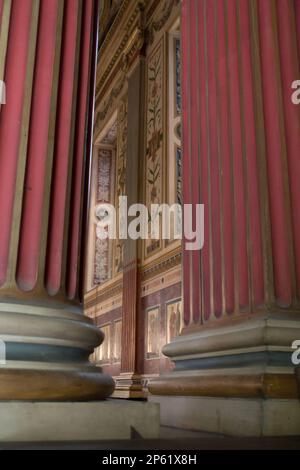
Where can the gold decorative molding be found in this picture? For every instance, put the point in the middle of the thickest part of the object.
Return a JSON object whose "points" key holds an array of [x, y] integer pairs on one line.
{"points": [[135, 28], [165, 262], [163, 280], [157, 24], [126, 55], [109, 305], [114, 25], [115, 92], [98, 296], [135, 20], [108, 12], [134, 37], [133, 47]]}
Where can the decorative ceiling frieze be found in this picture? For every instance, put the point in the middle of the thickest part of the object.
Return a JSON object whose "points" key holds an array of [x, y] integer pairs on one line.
{"points": [[136, 21]]}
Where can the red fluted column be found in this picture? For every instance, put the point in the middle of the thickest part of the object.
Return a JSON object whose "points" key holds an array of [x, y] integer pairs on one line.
{"points": [[65, 121], [35, 179], [75, 215], [241, 145], [241, 141], [11, 117], [46, 50]]}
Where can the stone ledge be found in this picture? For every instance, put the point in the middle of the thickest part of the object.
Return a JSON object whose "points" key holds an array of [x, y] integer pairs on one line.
{"points": [[231, 416], [87, 421]]}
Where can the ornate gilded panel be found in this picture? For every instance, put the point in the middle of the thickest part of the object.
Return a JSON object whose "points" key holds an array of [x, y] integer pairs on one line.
{"points": [[117, 341], [152, 333], [174, 319], [155, 134], [101, 262], [120, 187], [104, 170]]}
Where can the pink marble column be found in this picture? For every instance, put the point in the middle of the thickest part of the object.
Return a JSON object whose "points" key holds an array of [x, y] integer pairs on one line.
{"points": [[241, 141], [241, 145], [48, 54]]}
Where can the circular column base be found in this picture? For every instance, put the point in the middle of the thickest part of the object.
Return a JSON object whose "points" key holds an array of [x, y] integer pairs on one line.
{"points": [[39, 385], [44, 355]]}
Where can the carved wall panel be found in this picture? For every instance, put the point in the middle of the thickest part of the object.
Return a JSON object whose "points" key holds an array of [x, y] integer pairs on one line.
{"points": [[120, 186], [154, 134], [104, 170]]}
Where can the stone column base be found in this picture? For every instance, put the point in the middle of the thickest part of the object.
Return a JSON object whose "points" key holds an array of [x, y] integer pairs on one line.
{"points": [[132, 386], [107, 420], [237, 378], [231, 416], [129, 386], [46, 353]]}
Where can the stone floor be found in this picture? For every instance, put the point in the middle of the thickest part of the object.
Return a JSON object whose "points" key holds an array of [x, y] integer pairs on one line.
{"points": [[172, 439]]}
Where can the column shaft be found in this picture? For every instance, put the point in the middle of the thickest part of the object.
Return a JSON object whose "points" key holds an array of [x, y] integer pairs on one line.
{"points": [[46, 48], [131, 295], [241, 143], [241, 138]]}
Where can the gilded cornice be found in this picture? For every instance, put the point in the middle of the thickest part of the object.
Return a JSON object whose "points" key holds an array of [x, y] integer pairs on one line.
{"points": [[132, 48], [117, 56], [114, 93], [162, 264], [115, 24], [99, 295], [158, 23], [134, 20]]}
